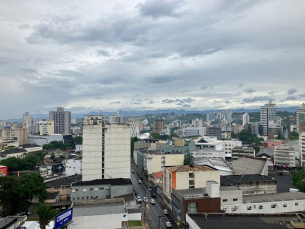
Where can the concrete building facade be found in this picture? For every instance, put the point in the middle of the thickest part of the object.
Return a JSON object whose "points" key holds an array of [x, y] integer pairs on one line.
{"points": [[46, 128], [134, 127], [116, 118], [73, 166], [285, 156], [106, 149], [300, 118], [267, 114], [159, 125], [62, 121]]}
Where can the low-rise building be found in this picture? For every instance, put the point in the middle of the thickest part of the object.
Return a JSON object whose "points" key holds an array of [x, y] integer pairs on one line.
{"points": [[32, 148], [251, 184], [287, 156], [155, 160], [101, 189], [265, 153], [12, 222], [208, 153], [238, 152], [180, 146], [193, 131], [185, 176], [157, 178], [17, 152], [73, 166]]}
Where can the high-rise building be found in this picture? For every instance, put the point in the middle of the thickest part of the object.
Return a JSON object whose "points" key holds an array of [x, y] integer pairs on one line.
{"points": [[300, 119], [245, 119], [106, 149], [116, 118], [159, 125], [134, 127], [268, 114], [302, 147], [62, 121], [197, 122]]}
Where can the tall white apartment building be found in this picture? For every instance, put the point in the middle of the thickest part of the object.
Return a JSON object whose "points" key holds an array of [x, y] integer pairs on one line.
{"points": [[116, 118], [268, 114], [302, 147], [245, 119], [134, 127], [300, 118], [197, 122], [106, 149]]}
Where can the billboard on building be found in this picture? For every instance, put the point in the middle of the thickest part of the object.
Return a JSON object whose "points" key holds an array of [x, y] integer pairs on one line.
{"points": [[3, 170], [63, 218]]}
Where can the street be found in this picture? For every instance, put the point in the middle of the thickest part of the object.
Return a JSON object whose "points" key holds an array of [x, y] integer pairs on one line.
{"points": [[152, 211]]}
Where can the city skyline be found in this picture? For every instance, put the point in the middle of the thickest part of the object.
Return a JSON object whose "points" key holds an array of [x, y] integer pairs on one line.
{"points": [[149, 55]]}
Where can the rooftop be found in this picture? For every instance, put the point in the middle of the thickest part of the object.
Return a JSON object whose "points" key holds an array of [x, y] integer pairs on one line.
{"points": [[113, 182], [10, 220], [237, 179], [98, 209], [30, 146], [267, 151], [17, 150], [66, 181], [187, 168], [52, 195], [285, 196], [245, 165], [216, 163], [192, 192], [237, 222], [158, 174], [35, 225]]}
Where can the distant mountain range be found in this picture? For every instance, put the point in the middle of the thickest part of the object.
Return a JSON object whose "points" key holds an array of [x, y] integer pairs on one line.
{"points": [[139, 113]]}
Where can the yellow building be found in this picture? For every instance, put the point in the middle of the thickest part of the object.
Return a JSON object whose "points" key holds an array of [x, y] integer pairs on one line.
{"points": [[179, 142], [46, 128]]}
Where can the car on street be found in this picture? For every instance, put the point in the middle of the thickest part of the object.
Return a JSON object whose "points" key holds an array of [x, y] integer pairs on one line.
{"points": [[153, 194], [139, 199], [149, 189], [48, 177], [145, 199], [140, 182], [55, 175], [165, 212], [132, 171], [152, 201], [168, 224]]}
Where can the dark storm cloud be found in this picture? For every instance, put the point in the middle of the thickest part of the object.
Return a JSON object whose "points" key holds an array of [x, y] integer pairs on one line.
{"points": [[291, 91], [159, 8], [291, 97], [256, 99], [249, 90]]}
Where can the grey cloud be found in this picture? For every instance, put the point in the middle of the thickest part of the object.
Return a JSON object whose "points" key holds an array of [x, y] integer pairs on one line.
{"points": [[115, 102], [136, 103], [24, 26], [186, 105], [3, 60], [159, 8], [227, 102], [180, 101], [103, 52], [249, 90], [240, 85], [168, 101], [161, 79], [291, 97], [302, 95], [291, 91], [256, 99], [272, 92], [29, 70]]}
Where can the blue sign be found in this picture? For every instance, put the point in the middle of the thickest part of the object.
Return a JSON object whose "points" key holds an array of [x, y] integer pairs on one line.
{"points": [[63, 218]]}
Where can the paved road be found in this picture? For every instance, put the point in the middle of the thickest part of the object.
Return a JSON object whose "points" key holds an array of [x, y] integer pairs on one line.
{"points": [[152, 211]]}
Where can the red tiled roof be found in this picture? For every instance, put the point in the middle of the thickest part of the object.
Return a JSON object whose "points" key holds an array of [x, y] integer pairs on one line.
{"points": [[158, 174]]}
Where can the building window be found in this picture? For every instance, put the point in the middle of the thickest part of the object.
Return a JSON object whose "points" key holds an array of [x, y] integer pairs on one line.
{"points": [[191, 182], [91, 189], [273, 206], [284, 205], [96, 197], [191, 175], [82, 198], [235, 199], [101, 188], [91, 197], [77, 198], [76, 190], [249, 208], [224, 200], [296, 204], [87, 197], [260, 207], [192, 207]]}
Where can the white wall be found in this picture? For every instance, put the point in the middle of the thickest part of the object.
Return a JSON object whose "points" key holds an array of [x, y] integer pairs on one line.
{"points": [[134, 216], [267, 209], [109, 221], [73, 167], [192, 224]]}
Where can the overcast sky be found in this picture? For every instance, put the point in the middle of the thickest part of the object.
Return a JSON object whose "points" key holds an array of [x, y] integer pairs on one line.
{"points": [[151, 54]]}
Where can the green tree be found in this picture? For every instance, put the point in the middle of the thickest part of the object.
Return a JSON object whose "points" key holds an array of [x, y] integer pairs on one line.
{"points": [[53, 156], [294, 136], [58, 145], [188, 160], [31, 161], [48, 147], [298, 180], [155, 135], [245, 136], [146, 174], [173, 134], [78, 140], [69, 146], [45, 214]]}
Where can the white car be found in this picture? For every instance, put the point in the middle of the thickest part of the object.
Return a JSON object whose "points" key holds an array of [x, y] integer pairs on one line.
{"points": [[152, 201], [145, 199], [168, 224], [48, 177], [55, 175], [165, 212], [140, 182]]}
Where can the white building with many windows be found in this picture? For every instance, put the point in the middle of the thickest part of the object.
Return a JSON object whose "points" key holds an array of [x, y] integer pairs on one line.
{"points": [[73, 167]]}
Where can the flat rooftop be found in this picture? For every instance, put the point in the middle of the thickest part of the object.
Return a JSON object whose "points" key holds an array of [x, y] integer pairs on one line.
{"points": [[285, 196], [98, 209], [187, 168], [115, 181], [238, 222], [66, 181], [192, 192], [236, 179]]}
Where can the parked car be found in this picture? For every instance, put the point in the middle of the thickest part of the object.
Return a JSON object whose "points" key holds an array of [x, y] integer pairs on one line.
{"points": [[168, 224], [48, 177], [132, 171], [55, 175], [153, 194], [165, 212], [139, 200], [145, 199], [152, 201], [140, 182], [149, 189]]}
